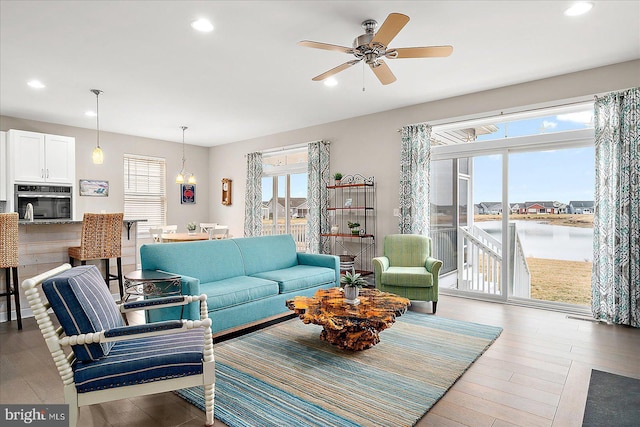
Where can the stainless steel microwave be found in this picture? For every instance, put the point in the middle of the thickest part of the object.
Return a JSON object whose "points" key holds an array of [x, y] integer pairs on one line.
{"points": [[47, 202]]}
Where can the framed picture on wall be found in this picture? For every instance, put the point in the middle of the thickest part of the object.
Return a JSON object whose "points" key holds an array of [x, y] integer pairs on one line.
{"points": [[187, 194], [92, 187]]}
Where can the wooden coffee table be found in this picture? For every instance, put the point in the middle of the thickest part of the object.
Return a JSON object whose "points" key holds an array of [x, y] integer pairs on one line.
{"points": [[350, 327]]}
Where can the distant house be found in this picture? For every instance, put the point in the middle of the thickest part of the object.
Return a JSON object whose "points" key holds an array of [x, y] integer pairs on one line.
{"points": [[581, 207], [298, 207], [544, 207], [488, 208], [517, 208]]}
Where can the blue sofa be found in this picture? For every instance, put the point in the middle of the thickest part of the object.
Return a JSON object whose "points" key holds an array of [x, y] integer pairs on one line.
{"points": [[246, 280]]}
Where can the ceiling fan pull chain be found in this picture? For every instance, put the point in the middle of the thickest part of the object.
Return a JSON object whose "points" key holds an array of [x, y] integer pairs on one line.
{"points": [[362, 75]]}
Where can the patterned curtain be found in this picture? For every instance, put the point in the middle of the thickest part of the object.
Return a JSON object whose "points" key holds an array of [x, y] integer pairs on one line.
{"points": [[318, 198], [253, 196], [415, 166], [616, 223]]}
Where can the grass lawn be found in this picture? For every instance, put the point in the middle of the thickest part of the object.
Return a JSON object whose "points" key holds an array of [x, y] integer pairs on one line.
{"points": [[562, 281]]}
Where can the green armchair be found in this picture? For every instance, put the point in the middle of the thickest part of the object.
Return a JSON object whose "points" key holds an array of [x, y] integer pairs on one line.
{"points": [[408, 269]]}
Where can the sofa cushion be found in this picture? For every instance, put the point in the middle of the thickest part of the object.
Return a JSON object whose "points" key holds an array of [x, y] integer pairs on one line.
{"points": [[417, 277], [143, 360], [83, 304], [299, 277], [237, 290], [208, 260], [267, 253]]}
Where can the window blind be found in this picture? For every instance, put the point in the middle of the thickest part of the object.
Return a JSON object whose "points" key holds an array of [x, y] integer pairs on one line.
{"points": [[145, 195]]}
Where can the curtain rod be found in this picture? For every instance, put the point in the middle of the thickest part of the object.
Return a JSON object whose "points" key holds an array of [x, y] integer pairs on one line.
{"points": [[503, 114], [287, 147]]}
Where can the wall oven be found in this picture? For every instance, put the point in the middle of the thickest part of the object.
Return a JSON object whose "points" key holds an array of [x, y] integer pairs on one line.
{"points": [[47, 202]]}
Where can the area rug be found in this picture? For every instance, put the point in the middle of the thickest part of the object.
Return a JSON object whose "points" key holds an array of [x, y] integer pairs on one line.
{"points": [[612, 400], [286, 376]]}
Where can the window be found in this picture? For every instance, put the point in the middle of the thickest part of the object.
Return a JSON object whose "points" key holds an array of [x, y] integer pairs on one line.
{"points": [[284, 194], [145, 195]]}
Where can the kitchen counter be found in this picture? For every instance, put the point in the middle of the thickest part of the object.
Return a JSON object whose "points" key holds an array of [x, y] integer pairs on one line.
{"points": [[127, 223], [44, 244]]}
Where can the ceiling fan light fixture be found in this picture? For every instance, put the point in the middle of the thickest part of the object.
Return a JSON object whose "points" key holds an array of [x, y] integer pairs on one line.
{"points": [[330, 82], [579, 8]]}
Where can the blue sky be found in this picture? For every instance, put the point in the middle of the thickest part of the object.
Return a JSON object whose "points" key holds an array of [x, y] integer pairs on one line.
{"points": [[558, 175], [562, 175]]}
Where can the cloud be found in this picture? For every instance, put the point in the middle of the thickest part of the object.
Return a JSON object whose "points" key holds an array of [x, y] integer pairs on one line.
{"points": [[548, 125], [582, 117]]}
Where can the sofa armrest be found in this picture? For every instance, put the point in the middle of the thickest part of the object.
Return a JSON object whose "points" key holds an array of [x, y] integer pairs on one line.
{"points": [[321, 260], [380, 264]]}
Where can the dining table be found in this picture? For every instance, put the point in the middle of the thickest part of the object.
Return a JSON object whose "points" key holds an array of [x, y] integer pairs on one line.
{"points": [[184, 237]]}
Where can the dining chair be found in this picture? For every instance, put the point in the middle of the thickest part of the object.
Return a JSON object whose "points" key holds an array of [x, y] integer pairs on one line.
{"points": [[167, 229], [206, 226], [101, 239], [9, 261], [220, 232], [156, 234], [109, 360]]}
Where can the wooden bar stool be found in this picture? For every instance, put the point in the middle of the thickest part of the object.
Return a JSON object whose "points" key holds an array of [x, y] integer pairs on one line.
{"points": [[9, 261], [101, 239]]}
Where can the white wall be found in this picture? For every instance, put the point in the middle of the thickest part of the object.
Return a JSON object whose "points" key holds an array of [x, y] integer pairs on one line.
{"points": [[114, 147], [370, 145]]}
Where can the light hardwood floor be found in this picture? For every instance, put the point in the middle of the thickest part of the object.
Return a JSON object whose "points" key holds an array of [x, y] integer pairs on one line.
{"points": [[535, 374]]}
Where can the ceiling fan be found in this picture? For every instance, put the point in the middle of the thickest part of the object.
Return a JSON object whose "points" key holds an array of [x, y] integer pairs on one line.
{"points": [[372, 46]]}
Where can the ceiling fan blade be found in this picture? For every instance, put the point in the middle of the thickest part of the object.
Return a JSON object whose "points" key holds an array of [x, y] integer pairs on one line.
{"points": [[335, 70], [422, 52], [325, 46], [383, 72], [390, 28]]}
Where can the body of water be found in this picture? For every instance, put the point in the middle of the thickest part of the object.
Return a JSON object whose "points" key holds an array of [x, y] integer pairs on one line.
{"points": [[548, 241]]}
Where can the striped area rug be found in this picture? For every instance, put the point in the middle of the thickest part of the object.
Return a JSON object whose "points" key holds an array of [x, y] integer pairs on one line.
{"points": [[286, 376]]}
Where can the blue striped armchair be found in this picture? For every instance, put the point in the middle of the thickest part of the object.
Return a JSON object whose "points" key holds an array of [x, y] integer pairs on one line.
{"points": [[110, 360]]}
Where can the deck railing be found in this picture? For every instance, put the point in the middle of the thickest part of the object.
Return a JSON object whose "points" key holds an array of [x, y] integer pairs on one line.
{"points": [[298, 231], [482, 263]]}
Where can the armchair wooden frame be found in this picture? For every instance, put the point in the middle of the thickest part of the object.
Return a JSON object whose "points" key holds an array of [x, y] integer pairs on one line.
{"points": [[56, 340]]}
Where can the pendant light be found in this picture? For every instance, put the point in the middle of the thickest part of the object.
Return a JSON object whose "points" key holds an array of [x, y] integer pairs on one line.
{"points": [[181, 175], [97, 156]]}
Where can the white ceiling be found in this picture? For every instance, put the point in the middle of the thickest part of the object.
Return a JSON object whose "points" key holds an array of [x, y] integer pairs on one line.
{"points": [[248, 77]]}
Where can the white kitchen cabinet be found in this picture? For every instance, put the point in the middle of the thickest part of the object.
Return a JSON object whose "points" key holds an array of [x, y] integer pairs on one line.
{"points": [[37, 157]]}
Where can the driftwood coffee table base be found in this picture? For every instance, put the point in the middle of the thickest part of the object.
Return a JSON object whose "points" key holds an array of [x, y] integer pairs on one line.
{"points": [[347, 326]]}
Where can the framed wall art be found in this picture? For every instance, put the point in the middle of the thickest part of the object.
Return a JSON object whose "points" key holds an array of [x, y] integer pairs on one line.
{"points": [[93, 187], [187, 194]]}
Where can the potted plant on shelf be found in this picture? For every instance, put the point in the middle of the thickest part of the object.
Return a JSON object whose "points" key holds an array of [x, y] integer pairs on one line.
{"points": [[352, 284], [354, 227], [337, 177], [191, 227]]}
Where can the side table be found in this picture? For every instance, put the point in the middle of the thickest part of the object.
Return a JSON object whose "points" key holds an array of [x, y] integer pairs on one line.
{"points": [[151, 283]]}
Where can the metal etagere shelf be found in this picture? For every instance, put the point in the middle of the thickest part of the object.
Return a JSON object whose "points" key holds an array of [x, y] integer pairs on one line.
{"points": [[352, 201]]}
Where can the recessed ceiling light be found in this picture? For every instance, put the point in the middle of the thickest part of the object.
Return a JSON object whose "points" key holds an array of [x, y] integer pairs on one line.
{"points": [[203, 25], [579, 8], [36, 84], [330, 82], [90, 114]]}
